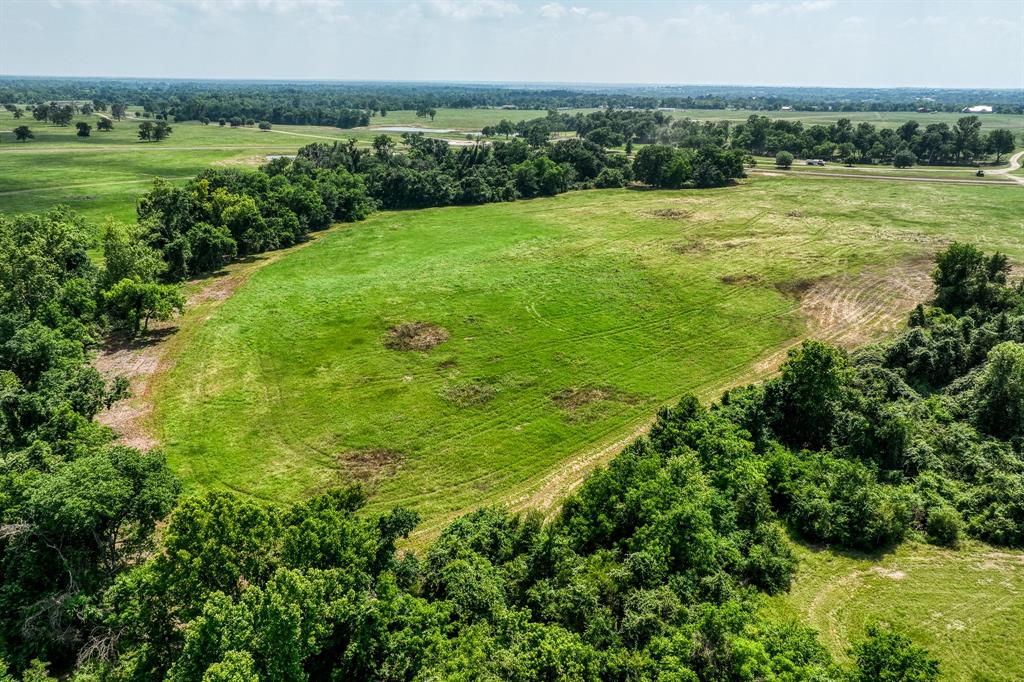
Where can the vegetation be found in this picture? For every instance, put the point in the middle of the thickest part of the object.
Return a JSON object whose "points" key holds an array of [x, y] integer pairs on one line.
{"points": [[716, 270], [935, 143], [327, 102], [656, 566]]}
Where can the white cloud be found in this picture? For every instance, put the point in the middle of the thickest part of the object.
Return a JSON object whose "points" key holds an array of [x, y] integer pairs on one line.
{"points": [[553, 10], [783, 8], [474, 9]]}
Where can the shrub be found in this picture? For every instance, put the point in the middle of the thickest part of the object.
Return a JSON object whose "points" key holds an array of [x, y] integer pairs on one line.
{"points": [[783, 159]]}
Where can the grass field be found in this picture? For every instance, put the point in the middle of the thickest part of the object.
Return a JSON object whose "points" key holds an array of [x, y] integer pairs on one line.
{"points": [[102, 175], [570, 320], [965, 606]]}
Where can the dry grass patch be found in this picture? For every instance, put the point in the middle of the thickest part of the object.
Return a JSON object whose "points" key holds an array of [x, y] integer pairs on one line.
{"points": [[469, 394], [671, 213], [370, 464], [415, 336]]}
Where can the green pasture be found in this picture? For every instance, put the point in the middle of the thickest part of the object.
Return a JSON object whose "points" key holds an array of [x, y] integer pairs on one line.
{"points": [[966, 606], [616, 300]]}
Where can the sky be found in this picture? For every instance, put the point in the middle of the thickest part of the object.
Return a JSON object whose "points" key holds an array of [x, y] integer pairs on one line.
{"points": [[843, 43]]}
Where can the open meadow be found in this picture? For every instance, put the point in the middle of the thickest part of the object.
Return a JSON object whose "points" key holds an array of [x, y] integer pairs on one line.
{"points": [[965, 605], [550, 328]]}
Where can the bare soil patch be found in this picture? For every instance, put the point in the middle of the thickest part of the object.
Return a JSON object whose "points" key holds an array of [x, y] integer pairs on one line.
{"points": [[141, 360], [415, 336], [572, 399], [370, 464], [746, 278], [851, 311], [796, 287]]}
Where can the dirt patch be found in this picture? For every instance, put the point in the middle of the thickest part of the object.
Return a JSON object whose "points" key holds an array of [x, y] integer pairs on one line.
{"points": [[468, 394], [136, 359], [450, 363], [851, 311], [370, 464], [415, 336], [247, 161], [889, 573], [671, 213], [795, 214], [573, 399], [740, 279], [796, 288], [690, 247], [142, 359]]}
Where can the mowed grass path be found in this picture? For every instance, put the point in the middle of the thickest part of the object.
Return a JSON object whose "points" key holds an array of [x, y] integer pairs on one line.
{"points": [[965, 606], [631, 296]]}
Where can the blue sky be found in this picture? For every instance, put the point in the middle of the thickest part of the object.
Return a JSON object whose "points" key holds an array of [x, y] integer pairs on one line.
{"points": [[761, 42]]}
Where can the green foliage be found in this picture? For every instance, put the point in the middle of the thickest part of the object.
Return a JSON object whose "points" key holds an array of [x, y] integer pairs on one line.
{"points": [[965, 277], [126, 255], [998, 397], [783, 159], [132, 303], [808, 396], [887, 656]]}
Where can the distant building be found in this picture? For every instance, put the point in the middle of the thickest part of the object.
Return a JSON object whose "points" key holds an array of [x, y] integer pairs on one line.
{"points": [[787, 108], [979, 109]]}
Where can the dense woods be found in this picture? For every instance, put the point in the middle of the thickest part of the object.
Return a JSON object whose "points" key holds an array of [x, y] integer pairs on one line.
{"points": [[935, 143], [654, 569], [348, 104]]}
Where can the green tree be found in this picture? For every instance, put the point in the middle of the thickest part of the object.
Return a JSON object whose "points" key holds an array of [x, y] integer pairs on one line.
{"points": [[383, 145], [904, 158], [83, 129], [265, 125], [104, 125], [807, 397], [146, 131], [783, 159], [887, 656], [161, 131], [22, 133], [1000, 141], [128, 255], [133, 304], [999, 393]]}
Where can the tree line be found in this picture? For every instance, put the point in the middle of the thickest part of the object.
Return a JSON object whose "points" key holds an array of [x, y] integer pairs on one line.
{"points": [[225, 213], [655, 569], [911, 143], [348, 103]]}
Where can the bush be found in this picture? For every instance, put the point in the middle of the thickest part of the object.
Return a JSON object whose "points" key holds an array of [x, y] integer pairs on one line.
{"points": [[944, 526], [610, 178], [904, 159], [888, 656], [783, 159], [264, 125]]}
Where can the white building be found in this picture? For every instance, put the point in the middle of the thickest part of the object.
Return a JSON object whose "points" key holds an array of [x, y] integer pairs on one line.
{"points": [[979, 109]]}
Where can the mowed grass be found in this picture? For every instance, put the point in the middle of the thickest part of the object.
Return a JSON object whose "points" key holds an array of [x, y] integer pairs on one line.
{"points": [[570, 321], [965, 606]]}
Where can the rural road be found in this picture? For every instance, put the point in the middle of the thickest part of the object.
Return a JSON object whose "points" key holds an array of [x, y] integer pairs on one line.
{"points": [[1014, 165], [899, 178]]}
